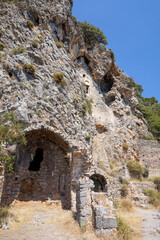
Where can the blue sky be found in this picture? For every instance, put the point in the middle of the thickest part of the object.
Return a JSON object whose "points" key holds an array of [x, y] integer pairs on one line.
{"points": [[132, 28]]}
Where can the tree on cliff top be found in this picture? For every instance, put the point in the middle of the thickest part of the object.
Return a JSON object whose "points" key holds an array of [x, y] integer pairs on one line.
{"points": [[92, 34], [11, 132]]}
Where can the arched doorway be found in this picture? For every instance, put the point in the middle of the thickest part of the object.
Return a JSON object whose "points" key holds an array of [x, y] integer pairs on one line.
{"points": [[43, 171], [99, 183]]}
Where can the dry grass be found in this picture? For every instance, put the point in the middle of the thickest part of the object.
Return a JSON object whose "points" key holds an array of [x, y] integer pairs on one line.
{"points": [[25, 212], [133, 220]]}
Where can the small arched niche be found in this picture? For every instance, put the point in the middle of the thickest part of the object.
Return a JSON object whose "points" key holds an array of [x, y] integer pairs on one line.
{"points": [[99, 183]]}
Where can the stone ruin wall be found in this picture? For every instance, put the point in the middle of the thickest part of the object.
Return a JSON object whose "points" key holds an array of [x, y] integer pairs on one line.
{"points": [[149, 155], [51, 180]]}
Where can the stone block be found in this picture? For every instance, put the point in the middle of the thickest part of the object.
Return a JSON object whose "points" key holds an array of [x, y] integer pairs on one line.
{"points": [[109, 222], [85, 212], [98, 222], [101, 211]]}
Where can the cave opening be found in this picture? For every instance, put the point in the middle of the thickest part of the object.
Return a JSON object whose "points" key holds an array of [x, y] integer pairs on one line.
{"points": [[106, 83], [36, 163]]}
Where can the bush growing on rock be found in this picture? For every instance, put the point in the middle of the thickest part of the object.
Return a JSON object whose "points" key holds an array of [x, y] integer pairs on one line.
{"points": [[157, 183], [135, 168], [59, 78], [59, 44], [19, 50], [2, 46], [29, 68], [34, 44], [92, 35], [123, 180], [154, 196], [30, 24], [124, 190], [145, 172]]}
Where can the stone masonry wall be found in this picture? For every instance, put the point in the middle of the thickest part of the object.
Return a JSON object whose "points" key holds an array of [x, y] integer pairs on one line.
{"points": [[149, 153], [51, 181]]}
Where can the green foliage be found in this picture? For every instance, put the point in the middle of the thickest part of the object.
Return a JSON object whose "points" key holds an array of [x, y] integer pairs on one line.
{"points": [[154, 196], [148, 137], [123, 180], [87, 106], [124, 231], [3, 214], [30, 24], [92, 35], [29, 68], [150, 108], [34, 44], [59, 78], [2, 46], [145, 173], [11, 131], [0, 58], [88, 137], [124, 190], [157, 183], [135, 168], [19, 50], [59, 44]]}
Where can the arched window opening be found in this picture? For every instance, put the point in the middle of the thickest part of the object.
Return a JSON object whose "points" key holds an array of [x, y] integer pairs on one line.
{"points": [[99, 183], [36, 163]]}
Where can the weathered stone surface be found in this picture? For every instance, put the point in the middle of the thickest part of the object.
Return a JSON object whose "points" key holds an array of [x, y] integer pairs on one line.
{"points": [[98, 222], [101, 211], [109, 222]]}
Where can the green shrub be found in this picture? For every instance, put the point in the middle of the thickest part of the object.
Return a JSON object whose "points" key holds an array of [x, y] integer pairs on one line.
{"points": [[0, 58], [59, 44], [29, 68], [88, 137], [126, 205], [75, 100], [3, 214], [87, 106], [131, 84], [123, 180], [145, 173], [135, 169], [2, 46], [150, 109], [30, 24], [91, 34], [157, 183], [124, 190], [123, 230], [34, 44], [19, 50], [59, 78], [148, 137], [154, 196]]}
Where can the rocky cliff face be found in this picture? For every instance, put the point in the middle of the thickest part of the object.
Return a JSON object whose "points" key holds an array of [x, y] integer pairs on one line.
{"points": [[107, 137]]}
